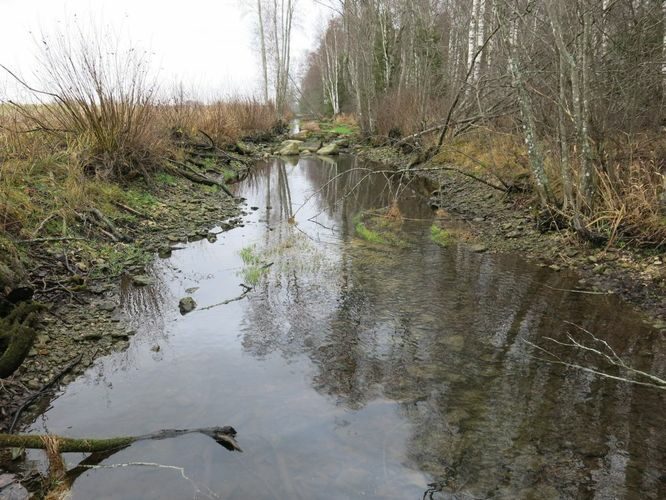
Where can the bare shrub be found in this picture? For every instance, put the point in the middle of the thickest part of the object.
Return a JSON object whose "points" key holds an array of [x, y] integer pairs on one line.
{"points": [[97, 99]]}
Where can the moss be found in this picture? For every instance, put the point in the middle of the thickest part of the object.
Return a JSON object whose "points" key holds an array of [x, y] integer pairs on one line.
{"points": [[440, 236], [17, 334]]}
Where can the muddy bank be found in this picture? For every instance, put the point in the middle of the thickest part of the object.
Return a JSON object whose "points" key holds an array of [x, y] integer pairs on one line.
{"points": [[79, 280], [506, 223]]}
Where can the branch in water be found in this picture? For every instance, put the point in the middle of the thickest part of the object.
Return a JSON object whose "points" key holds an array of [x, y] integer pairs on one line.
{"points": [[606, 352], [224, 436]]}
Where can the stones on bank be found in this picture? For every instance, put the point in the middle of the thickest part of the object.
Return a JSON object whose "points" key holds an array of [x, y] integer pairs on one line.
{"points": [[293, 147]]}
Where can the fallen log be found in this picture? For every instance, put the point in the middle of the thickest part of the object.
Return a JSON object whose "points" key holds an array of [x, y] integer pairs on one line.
{"points": [[224, 436], [190, 174]]}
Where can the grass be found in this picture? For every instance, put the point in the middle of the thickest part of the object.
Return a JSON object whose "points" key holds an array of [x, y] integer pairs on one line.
{"points": [[114, 259], [338, 128], [165, 179], [254, 267], [379, 229], [440, 236], [369, 235]]}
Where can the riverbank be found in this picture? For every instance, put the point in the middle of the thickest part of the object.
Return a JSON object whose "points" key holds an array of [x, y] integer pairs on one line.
{"points": [[506, 223], [78, 276]]}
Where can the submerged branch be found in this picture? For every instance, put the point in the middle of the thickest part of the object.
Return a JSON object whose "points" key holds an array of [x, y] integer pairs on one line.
{"points": [[605, 352]]}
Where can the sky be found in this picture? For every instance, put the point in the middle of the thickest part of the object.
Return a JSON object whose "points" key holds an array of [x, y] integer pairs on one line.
{"points": [[209, 45]]}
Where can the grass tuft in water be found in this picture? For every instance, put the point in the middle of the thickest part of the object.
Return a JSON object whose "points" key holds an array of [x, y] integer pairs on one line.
{"points": [[440, 236], [368, 234], [254, 268]]}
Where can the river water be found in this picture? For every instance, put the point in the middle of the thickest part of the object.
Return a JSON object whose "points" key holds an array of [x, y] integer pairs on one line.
{"points": [[357, 370]]}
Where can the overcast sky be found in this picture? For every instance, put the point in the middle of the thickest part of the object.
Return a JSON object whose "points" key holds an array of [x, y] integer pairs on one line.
{"points": [[209, 45]]}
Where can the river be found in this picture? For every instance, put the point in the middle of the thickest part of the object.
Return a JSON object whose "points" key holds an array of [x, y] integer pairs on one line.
{"points": [[358, 370]]}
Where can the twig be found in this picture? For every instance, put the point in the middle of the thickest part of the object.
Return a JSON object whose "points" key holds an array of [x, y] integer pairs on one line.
{"points": [[228, 301], [209, 494], [42, 240], [589, 292], [224, 436], [131, 210], [613, 359]]}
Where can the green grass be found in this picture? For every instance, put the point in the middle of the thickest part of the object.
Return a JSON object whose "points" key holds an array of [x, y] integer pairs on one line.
{"points": [[114, 259], [386, 235], [139, 199], [254, 268], [337, 128], [440, 236], [229, 175], [165, 179], [369, 235]]}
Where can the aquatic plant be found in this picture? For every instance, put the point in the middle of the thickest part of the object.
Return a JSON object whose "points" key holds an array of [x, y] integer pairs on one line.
{"points": [[440, 236], [368, 234], [254, 268]]}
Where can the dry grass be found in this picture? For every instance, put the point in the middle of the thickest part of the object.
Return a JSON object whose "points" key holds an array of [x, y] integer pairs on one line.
{"points": [[97, 100], [630, 206], [92, 121], [226, 121], [487, 152]]}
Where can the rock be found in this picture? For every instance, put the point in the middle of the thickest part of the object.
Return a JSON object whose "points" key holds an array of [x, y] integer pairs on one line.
{"points": [[164, 252], [142, 280], [290, 148], [211, 237], [96, 289], [120, 335], [513, 234], [155, 348], [107, 306], [91, 336], [311, 146], [478, 248], [329, 150], [300, 136], [186, 305], [478, 219]]}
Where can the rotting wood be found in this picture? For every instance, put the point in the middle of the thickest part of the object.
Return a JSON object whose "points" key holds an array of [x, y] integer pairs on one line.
{"points": [[190, 174], [225, 436]]}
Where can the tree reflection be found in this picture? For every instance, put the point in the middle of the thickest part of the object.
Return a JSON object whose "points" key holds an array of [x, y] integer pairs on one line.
{"points": [[440, 333]]}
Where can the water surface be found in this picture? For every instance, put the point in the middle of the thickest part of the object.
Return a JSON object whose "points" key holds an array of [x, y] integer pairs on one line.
{"points": [[355, 370]]}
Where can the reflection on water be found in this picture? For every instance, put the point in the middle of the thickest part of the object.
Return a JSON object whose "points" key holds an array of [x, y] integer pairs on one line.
{"points": [[354, 370]]}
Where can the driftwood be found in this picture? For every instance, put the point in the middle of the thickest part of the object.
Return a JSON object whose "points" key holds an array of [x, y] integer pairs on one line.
{"points": [[103, 223], [189, 173], [224, 436]]}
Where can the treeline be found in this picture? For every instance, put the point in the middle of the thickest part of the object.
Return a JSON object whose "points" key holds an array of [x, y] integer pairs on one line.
{"points": [[580, 83]]}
